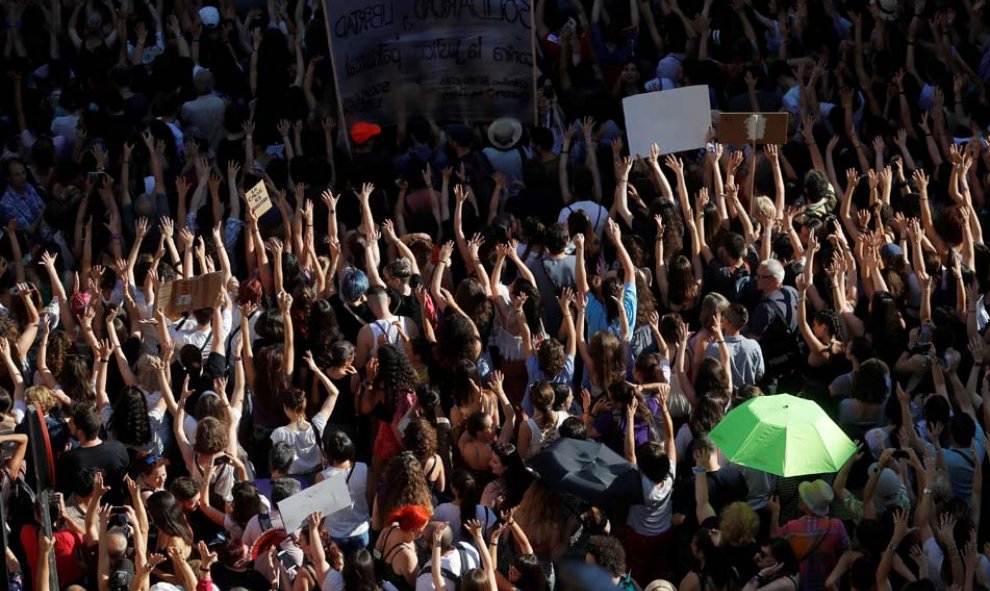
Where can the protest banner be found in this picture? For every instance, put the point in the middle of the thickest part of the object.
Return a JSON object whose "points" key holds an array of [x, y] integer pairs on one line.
{"points": [[676, 119], [185, 295], [464, 60], [328, 496], [258, 199]]}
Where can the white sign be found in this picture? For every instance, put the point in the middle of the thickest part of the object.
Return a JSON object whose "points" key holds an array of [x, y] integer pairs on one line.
{"points": [[328, 496], [676, 119]]}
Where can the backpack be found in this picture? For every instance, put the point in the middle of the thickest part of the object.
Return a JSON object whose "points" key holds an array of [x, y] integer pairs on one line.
{"points": [[781, 350], [447, 573], [741, 278]]}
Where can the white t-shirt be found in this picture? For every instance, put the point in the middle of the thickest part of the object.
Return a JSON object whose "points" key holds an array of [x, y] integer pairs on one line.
{"points": [[653, 516], [352, 521], [451, 562], [594, 210], [305, 443]]}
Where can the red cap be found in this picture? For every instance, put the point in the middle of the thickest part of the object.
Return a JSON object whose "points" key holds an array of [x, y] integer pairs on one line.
{"points": [[362, 132]]}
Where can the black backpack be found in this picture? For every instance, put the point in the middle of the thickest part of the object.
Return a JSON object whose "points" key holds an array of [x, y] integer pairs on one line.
{"points": [[782, 352]]}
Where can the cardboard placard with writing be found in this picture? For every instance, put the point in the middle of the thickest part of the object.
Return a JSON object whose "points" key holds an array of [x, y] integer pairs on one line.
{"points": [[465, 60], [752, 128], [185, 295], [258, 199]]}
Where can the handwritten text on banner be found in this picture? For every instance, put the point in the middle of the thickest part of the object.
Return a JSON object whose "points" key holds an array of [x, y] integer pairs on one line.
{"points": [[462, 59]]}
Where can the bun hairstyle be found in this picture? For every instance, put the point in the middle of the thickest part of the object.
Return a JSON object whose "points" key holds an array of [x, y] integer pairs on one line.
{"points": [[293, 399]]}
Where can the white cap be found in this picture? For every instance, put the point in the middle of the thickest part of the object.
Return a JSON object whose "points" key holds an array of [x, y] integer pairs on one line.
{"points": [[209, 16]]}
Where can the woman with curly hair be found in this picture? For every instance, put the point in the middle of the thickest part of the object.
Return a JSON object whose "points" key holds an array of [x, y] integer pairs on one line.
{"points": [[403, 484], [420, 438], [547, 521], [132, 424], [472, 298], [388, 396]]}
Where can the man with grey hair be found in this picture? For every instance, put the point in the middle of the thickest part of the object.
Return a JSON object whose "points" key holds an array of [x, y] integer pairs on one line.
{"points": [[777, 300], [204, 114], [773, 323]]}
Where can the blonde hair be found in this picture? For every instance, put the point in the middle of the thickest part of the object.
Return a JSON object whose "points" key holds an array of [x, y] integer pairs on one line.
{"points": [[42, 397], [739, 524], [147, 377], [765, 205], [545, 519]]}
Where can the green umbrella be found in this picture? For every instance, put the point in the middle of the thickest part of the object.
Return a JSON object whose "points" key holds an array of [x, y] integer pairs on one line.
{"points": [[782, 435]]}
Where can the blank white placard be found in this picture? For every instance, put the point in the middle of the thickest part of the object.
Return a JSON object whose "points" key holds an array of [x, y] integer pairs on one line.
{"points": [[677, 119]]}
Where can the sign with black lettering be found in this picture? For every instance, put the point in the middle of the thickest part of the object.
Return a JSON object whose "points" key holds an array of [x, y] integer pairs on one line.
{"points": [[452, 59]]}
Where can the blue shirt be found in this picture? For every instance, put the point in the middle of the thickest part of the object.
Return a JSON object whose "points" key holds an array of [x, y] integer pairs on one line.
{"points": [[26, 208], [597, 317], [535, 374], [960, 464]]}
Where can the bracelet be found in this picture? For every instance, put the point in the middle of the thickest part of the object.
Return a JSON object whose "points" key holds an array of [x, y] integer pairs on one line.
{"points": [[104, 361], [333, 211]]}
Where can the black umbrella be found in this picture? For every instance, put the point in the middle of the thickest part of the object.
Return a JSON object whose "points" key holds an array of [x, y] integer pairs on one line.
{"points": [[590, 471]]}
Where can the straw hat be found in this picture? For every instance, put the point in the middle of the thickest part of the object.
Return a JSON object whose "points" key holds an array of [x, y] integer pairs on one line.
{"points": [[505, 133]]}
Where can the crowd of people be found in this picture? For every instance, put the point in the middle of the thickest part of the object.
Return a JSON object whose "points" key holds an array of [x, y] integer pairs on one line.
{"points": [[429, 307]]}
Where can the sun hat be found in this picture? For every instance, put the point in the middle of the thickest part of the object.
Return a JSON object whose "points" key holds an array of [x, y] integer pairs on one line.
{"points": [[817, 496], [505, 133]]}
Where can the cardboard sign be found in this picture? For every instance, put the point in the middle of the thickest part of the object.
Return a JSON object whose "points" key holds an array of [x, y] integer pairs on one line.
{"points": [[186, 295], [752, 128], [465, 60], [676, 119], [258, 199], [328, 496]]}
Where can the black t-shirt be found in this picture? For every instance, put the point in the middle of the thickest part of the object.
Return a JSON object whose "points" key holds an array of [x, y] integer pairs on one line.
{"points": [[109, 456], [406, 305], [350, 320]]}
